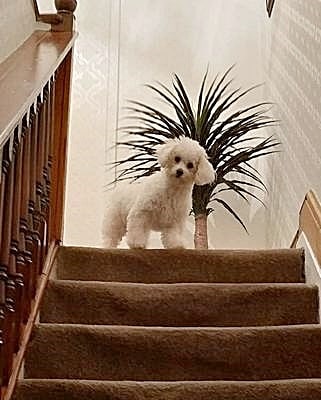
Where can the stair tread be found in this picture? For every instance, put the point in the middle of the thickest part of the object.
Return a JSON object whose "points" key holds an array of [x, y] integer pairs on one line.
{"points": [[71, 327], [296, 389], [159, 353], [191, 285], [184, 304], [169, 266]]}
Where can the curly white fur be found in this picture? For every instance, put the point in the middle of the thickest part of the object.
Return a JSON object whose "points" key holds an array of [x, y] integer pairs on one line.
{"points": [[160, 202]]}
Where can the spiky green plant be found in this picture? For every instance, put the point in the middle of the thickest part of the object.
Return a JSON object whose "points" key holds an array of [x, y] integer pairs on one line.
{"points": [[229, 137]]}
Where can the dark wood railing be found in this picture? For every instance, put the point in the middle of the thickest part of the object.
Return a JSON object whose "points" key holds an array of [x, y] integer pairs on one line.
{"points": [[34, 109]]}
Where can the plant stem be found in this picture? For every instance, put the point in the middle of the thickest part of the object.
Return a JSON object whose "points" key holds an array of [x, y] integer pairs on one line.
{"points": [[200, 234]]}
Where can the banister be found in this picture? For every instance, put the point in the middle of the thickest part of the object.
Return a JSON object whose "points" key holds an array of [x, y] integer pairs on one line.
{"points": [[310, 223], [34, 112]]}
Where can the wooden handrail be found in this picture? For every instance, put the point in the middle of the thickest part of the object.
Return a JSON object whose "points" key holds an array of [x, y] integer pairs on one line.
{"points": [[310, 223], [34, 113], [25, 73]]}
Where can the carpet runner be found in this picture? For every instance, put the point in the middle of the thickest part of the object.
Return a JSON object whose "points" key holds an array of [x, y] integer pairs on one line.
{"points": [[175, 324]]}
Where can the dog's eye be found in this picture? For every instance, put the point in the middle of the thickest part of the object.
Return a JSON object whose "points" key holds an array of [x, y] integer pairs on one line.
{"points": [[177, 159], [190, 165]]}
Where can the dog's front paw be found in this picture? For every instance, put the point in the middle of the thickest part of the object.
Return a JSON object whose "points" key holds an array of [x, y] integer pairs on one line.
{"points": [[136, 244], [175, 246]]}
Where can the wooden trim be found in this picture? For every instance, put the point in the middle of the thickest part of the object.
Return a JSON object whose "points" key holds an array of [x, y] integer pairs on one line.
{"points": [[36, 9], [52, 19], [24, 74], [310, 223], [43, 280]]}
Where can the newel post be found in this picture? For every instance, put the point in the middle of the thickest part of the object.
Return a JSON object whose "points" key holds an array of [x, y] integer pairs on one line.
{"points": [[65, 9], [60, 125]]}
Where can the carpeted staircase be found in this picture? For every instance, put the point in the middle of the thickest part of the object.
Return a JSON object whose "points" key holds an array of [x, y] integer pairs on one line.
{"points": [[169, 325]]}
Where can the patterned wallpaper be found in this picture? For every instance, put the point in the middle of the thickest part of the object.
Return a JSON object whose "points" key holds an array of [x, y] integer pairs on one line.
{"points": [[293, 82], [17, 22], [92, 82]]}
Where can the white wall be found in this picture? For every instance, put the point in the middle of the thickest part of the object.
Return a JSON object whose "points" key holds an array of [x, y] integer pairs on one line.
{"points": [[17, 22], [293, 74], [124, 44]]}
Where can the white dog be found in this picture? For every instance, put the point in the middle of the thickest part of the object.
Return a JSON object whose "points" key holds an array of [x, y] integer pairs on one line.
{"points": [[162, 201]]}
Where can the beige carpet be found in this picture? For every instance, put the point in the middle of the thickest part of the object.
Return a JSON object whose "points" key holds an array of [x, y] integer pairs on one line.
{"points": [[160, 324]]}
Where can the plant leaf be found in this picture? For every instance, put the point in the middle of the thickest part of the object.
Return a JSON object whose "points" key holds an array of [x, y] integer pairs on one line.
{"points": [[231, 211]]}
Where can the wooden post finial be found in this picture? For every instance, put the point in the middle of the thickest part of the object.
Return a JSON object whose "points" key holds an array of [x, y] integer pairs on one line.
{"points": [[65, 10], [66, 5], [63, 20]]}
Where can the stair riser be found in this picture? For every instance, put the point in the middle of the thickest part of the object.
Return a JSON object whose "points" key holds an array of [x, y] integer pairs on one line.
{"points": [[171, 266], [122, 353], [180, 305]]}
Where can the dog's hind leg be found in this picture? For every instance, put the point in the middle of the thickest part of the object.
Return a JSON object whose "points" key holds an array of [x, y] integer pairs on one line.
{"points": [[113, 229], [172, 238]]}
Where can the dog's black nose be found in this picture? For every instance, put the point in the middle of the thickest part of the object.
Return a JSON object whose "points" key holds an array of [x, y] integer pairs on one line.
{"points": [[179, 173]]}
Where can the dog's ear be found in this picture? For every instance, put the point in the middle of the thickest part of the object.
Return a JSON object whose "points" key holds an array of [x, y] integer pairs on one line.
{"points": [[163, 151], [205, 171]]}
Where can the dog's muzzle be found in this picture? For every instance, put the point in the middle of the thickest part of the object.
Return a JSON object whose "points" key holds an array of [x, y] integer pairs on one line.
{"points": [[179, 173]]}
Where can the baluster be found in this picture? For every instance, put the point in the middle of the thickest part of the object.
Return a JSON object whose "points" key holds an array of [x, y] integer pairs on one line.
{"points": [[3, 269], [48, 161], [6, 261], [16, 257], [44, 171], [39, 184], [59, 149], [2, 186], [39, 202], [37, 217], [3, 173], [34, 245], [2, 326], [25, 231], [50, 155]]}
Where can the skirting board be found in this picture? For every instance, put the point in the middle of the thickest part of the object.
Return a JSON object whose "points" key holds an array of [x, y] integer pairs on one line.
{"points": [[312, 266], [308, 236]]}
